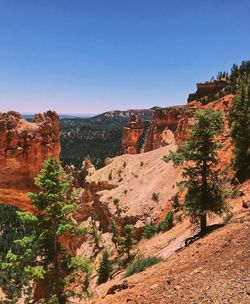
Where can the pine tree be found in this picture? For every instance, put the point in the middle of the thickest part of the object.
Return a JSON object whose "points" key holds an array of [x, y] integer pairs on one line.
{"points": [[44, 260], [202, 178], [95, 232], [127, 241], [105, 268], [240, 116]]}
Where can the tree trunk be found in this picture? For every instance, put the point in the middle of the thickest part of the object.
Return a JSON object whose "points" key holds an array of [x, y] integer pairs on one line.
{"points": [[57, 282], [203, 223]]}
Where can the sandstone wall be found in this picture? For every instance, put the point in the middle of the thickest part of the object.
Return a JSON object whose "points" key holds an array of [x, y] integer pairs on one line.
{"points": [[168, 125], [132, 135], [24, 146], [209, 88]]}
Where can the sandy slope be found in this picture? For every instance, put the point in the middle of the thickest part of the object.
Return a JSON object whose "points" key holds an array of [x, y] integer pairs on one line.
{"points": [[136, 178]]}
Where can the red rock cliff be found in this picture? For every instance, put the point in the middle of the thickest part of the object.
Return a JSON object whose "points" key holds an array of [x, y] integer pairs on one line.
{"points": [[132, 135], [24, 146], [167, 126]]}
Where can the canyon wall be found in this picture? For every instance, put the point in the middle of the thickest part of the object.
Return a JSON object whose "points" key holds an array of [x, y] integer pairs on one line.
{"points": [[24, 146], [168, 125]]}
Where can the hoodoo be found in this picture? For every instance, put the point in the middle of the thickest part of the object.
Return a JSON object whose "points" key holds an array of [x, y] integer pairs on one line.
{"points": [[24, 146]]}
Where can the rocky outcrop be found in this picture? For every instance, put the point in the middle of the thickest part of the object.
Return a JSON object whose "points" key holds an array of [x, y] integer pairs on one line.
{"points": [[167, 126], [24, 146], [207, 89], [132, 135]]}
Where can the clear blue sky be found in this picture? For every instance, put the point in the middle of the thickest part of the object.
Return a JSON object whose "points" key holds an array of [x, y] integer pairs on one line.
{"points": [[89, 56]]}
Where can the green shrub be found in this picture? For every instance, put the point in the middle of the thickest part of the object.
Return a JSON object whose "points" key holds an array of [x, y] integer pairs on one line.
{"points": [[168, 222], [116, 201], [141, 264], [149, 231], [155, 197], [175, 201]]}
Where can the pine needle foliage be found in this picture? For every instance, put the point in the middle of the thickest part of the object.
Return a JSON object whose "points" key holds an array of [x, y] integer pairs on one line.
{"points": [[105, 268], [127, 241], [240, 117], [201, 174], [44, 260]]}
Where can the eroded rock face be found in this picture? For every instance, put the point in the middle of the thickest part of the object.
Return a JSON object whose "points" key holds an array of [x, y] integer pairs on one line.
{"points": [[168, 125], [207, 89], [24, 146], [132, 135]]}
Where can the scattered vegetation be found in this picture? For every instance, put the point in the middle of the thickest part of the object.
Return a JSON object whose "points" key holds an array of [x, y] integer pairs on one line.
{"points": [[155, 197], [141, 163], [165, 225], [141, 264]]}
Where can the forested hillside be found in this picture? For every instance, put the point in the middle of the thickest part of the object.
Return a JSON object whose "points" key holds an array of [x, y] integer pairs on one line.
{"points": [[99, 143], [112, 119]]}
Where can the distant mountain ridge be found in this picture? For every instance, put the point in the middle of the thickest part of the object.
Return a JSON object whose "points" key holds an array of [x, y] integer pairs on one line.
{"points": [[29, 116], [115, 118]]}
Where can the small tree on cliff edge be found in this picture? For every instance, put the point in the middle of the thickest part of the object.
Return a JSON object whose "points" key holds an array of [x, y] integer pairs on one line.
{"points": [[45, 261], [202, 178]]}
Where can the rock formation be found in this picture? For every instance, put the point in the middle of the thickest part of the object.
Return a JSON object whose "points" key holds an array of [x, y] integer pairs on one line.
{"points": [[132, 135], [167, 126], [24, 146], [208, 88]]}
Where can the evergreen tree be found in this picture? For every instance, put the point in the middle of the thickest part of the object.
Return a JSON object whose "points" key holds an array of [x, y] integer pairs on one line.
{"points": [[105, 268], [127, 241], [95, 232], [240, 116], [115, 235], [202, 178], [44, 260]]}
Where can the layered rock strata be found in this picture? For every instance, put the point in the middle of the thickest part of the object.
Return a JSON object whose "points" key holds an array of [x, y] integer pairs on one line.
{"points": [[24, 146]]}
